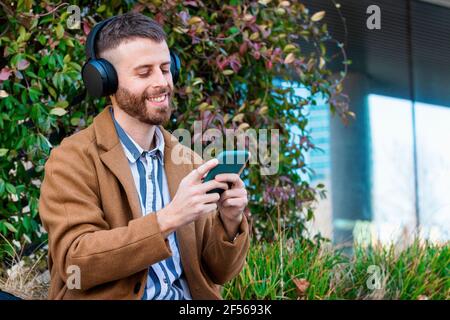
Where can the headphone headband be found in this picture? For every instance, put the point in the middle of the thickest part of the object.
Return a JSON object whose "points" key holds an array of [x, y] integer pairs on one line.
{"points": [[92, 38]]}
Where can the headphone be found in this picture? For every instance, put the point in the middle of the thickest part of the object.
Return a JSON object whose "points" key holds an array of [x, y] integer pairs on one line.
{"points": [[100, 77]]}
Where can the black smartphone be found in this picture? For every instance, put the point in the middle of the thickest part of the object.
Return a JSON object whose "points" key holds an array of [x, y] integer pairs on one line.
{"points": [[233, 161]]}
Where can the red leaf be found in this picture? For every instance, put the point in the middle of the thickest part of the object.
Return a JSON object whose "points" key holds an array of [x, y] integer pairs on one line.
{"points": [[5, 73], [243, 48], [86, 28], [301, 285]]}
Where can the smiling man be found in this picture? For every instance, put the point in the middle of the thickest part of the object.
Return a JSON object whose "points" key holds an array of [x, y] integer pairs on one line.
{"points": [[125, 218]]}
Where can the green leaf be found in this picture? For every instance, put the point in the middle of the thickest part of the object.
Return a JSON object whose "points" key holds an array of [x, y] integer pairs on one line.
{"points": [[233, 30], [58, 111], [9, 226], [26, 223], [74, 121], [62, 104], [59, 31], [3, 152], [10, 188], [101, 8]]}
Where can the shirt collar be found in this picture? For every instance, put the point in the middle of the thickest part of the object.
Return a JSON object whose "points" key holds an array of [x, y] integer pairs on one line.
{"points": [[133, 151]]}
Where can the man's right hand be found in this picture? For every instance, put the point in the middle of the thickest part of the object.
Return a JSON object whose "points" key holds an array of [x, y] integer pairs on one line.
{"points": [[191, 200]]}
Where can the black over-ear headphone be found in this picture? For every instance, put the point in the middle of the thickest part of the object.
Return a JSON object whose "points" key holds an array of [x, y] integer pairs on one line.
{"points": [[99, 75]]}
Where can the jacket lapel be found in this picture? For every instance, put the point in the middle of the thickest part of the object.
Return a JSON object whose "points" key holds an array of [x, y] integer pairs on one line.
{"points": [[114, 158]]}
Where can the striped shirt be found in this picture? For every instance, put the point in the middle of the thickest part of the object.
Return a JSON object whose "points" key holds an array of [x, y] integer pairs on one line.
{"points": [[166, 280]]}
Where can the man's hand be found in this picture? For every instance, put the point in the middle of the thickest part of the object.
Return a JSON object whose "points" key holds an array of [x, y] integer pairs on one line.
{"points": [[232, 202], [191, 200]]}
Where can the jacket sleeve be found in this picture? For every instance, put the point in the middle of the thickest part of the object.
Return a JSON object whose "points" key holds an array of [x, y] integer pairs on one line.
{"points": [[222, 259], [71, 212]]}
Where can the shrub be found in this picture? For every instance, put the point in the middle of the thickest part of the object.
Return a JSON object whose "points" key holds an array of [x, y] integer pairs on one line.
{"points": [[232, 54]]}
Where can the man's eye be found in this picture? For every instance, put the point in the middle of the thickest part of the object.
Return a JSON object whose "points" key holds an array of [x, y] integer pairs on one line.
{"points": [[143, 75], [166, 71]]}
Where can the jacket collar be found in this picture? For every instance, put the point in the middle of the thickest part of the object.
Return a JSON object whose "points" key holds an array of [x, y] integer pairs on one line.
{"points": [[113, 156], [133, 150]]}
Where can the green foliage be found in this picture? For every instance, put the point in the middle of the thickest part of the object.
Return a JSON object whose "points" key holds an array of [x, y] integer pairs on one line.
{"points": [[420, 271], [231, 56]]}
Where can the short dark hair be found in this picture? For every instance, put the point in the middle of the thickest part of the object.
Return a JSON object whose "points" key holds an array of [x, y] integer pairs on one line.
{"points": [[128, 26]]}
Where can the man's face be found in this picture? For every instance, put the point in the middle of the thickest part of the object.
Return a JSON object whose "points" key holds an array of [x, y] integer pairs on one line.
{"points": [[145, 82]]}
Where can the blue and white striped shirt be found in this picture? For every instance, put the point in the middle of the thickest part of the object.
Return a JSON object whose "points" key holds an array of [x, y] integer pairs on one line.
{"points": [[166, 280]]}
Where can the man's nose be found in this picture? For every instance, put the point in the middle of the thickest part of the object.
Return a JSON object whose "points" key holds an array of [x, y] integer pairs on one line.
{"points": [[159, 79]]}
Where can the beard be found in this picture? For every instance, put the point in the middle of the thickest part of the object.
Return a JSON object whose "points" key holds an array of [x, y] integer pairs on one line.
{"points": [[136, 106]]}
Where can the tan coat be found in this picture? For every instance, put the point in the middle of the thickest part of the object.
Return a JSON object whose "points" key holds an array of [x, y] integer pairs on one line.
{"points": [[90, 208]]}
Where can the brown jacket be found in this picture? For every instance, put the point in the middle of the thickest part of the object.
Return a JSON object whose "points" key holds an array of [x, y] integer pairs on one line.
{"points": [[89, 205]]}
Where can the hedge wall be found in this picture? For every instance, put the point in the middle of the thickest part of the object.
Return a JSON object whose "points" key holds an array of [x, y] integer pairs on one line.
{"points": [[232, 53]]}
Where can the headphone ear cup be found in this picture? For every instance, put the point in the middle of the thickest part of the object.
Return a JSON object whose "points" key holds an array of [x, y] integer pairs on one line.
{"points": [[112, 82], [175, 66], [99, 77]]}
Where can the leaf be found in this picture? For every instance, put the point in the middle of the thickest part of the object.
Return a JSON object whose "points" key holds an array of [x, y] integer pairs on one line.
{"points": [[254, 36], [59, 31], [289, 47], [9, 226], [243, 126], [227, 72], [321, 63], [194, 20], [3, 152], [62, 104], [10, 188], [289, 58], [301, 285], [74, 121], [233, 30], [264, 2], [180, 30], [318, 16], [263, 110], [239, 117], [3, 94], [248, 17], [5, 73], [23, 64], [101, 8], [203, 106], [58, 111]]}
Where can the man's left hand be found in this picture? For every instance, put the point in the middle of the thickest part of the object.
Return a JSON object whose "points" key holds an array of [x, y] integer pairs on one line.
{"points": [[232, 202]]}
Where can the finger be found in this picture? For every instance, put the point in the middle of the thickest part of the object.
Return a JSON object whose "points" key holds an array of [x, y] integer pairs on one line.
{"points": [[235, 202], [230, 177], [197, 174], [234, 193], [209, 207], [209, 198], [210, 185]]}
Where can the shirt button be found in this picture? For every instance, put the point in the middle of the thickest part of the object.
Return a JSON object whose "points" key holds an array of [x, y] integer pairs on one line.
{"points": [[166, 281]]}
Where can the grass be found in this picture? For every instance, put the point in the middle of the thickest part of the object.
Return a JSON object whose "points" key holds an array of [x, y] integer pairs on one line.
{"points": [[308, 271], [295, 269], [24, 276]]}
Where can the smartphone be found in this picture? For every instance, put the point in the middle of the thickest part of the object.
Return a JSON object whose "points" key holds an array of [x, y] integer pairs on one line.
{"points": [[233, 161]]}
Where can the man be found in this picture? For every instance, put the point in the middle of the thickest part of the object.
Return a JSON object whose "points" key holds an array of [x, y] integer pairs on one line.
{"points": [[125, 218]]}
